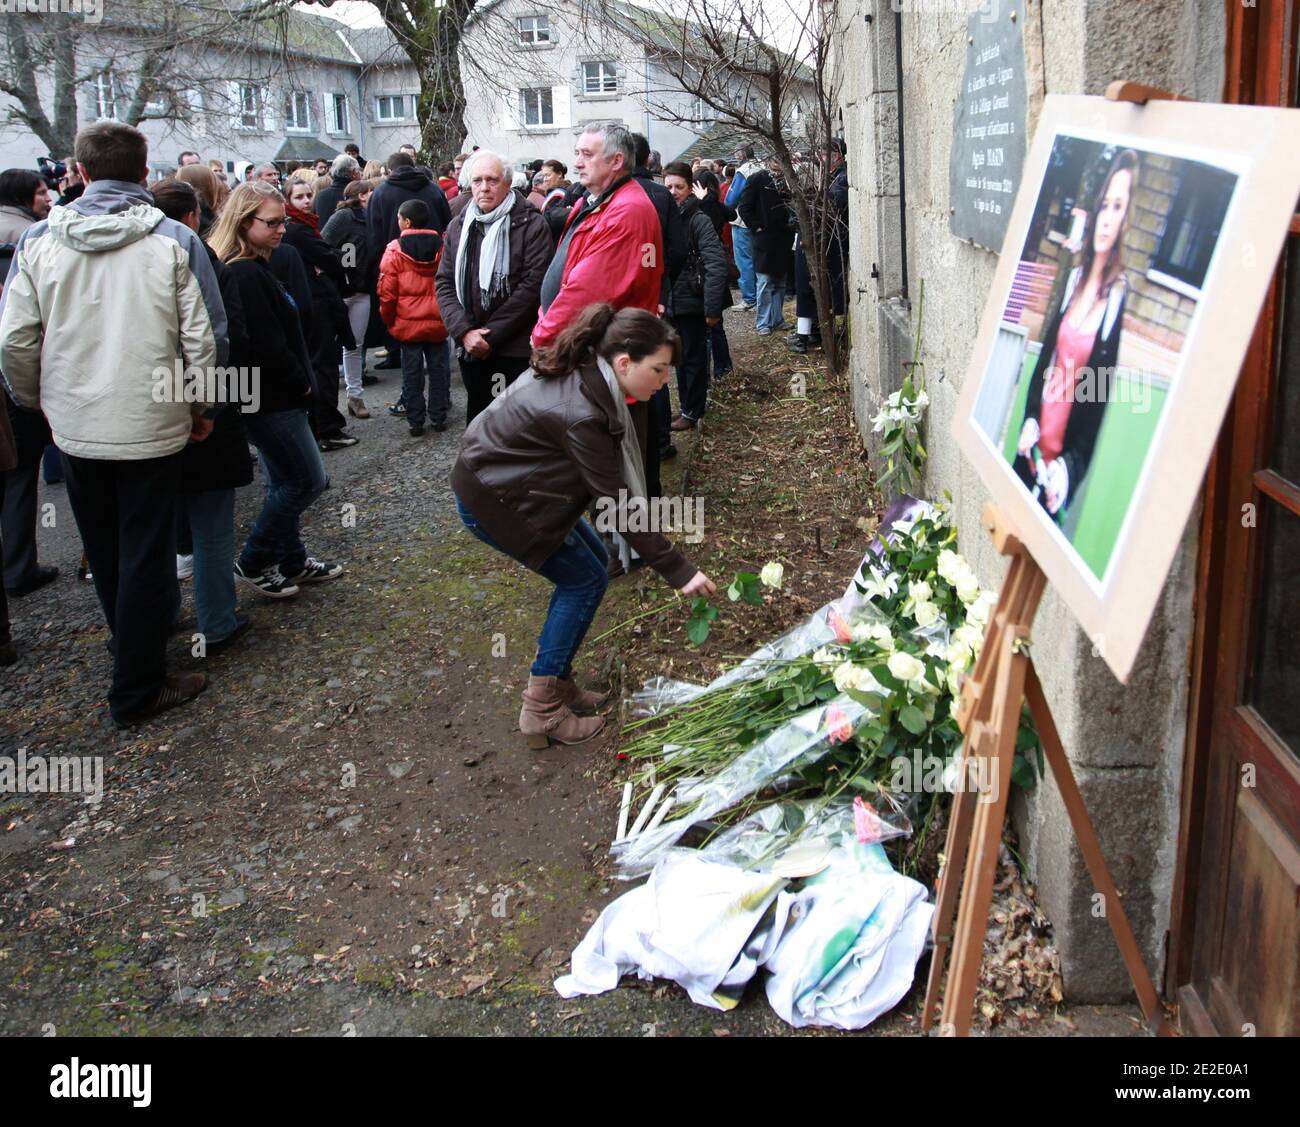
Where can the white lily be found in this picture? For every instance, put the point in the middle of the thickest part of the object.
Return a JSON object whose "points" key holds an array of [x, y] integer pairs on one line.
{"points": [[880, 586]]}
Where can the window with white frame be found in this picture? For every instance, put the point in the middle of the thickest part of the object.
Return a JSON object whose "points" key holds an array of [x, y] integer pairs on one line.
{"points": [[390, 107], [105, 96], [534, 29], [249, 109], [599, 78], [536, 106], [339, 113], [297, 111]]}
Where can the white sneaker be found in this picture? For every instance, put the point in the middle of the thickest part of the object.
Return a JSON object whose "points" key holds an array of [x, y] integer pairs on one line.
{"points": [[184, 567]]}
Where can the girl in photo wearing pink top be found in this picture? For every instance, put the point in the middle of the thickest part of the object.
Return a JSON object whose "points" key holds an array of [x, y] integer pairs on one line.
{"points": [[1074, 376]]}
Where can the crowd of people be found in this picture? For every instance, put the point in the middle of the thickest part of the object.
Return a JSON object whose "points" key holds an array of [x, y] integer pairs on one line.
{"points": [[568, 304]]}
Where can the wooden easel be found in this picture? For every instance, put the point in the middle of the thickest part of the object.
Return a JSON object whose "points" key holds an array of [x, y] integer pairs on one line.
{"points": [[989, 716]]}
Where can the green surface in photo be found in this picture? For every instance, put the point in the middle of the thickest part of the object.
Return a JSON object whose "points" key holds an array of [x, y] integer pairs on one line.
{"points": [[1093, 522]]}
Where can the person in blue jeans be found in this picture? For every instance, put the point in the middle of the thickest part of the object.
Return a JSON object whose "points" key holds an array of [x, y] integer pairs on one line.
{"points": [[559, 439], [274, 351], [742, 244], [408, 304]]}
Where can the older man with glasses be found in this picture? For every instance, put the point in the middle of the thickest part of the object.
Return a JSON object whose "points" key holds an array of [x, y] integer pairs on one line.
{"points": [[490, 280]]}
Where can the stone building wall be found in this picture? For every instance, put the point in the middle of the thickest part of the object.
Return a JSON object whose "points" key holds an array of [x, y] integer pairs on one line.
{"points": [[1125, 742]]}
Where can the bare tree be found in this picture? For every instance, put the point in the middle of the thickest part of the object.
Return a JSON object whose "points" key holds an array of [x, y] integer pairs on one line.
{"points": [[155, 60], [429, 32], [723, 55]]}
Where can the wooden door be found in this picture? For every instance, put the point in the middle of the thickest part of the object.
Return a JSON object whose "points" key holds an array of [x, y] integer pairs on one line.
{"points": [[1235, 963]]}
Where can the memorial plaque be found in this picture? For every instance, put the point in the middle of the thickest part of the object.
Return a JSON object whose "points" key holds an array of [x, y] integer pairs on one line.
{"points": [[989, 126]]}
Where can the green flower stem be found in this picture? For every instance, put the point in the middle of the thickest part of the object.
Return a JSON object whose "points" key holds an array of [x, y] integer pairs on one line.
{"points": [[634, 618]]}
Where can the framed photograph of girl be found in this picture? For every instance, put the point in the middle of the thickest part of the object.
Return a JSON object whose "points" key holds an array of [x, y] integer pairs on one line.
{"points": [[1140, 248]]}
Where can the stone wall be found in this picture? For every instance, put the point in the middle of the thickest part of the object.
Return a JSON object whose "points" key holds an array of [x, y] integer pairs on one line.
{"points": [[1126, 742]]}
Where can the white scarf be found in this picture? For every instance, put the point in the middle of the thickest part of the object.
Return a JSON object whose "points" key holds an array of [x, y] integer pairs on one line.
{"points": [[633, 471], [493, 251]]}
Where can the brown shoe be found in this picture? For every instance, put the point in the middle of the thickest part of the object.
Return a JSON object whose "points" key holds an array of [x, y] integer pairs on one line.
{"points": [[583, 702], [177, 689], [357, 408], [682, 423], [545, 717]]}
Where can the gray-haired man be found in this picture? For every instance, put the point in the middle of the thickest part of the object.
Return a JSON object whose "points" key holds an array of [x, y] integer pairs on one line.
{"points": [[343, 171], [490, 280]]}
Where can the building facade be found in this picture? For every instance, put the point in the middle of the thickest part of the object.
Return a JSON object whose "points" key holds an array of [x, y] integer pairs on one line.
{"points": [[319, 86], [1208, 869], [567, 67]]}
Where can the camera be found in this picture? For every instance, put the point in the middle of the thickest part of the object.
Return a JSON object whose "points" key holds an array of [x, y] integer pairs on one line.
{"points": [[52, 170]]}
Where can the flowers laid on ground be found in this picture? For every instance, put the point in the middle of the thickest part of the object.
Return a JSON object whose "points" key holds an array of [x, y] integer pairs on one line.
{"points": [[913, 635], [744, 588]]}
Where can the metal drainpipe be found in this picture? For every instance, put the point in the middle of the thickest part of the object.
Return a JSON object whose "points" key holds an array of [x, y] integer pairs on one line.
{"points": [[902, 165], [361, 112]]}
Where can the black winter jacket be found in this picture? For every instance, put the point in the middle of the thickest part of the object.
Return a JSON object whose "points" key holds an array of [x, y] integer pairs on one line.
{"points": [[762, 206], [273, 340], [325, 275], [220, 461], [348, 233], [327, 199], [701, 287], [404, 184]]}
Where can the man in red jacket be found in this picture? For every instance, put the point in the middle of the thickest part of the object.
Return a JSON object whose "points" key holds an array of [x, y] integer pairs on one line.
{"points": [[612, 246]]}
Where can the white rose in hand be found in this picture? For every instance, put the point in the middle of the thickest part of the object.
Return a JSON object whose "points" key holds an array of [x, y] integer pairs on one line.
{"points": [[772, 574]]}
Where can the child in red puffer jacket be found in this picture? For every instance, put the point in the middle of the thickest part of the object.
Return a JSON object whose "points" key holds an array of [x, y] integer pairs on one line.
{"points": [[408, 305]]}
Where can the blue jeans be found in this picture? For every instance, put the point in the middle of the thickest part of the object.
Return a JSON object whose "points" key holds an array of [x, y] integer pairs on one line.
{"points": [[212, 526], [742, 248], [577, 568], [295, 477], [416, 356], [771, 298]]}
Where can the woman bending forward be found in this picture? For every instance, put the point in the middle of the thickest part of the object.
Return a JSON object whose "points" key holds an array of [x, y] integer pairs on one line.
{"points": [[558, 440]]}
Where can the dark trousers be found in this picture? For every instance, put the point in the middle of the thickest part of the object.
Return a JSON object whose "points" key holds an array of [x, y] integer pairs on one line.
{"points": [[326, 351], [6, 636], [184, 532], [721, 350], [52, 465], [126, 514], [693, 368], [482, 383], [433, 358], [805, 301], [18, 523]]}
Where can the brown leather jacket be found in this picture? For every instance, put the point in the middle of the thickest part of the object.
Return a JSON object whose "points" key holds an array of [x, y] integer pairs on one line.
{"points": [[532, 464]]}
